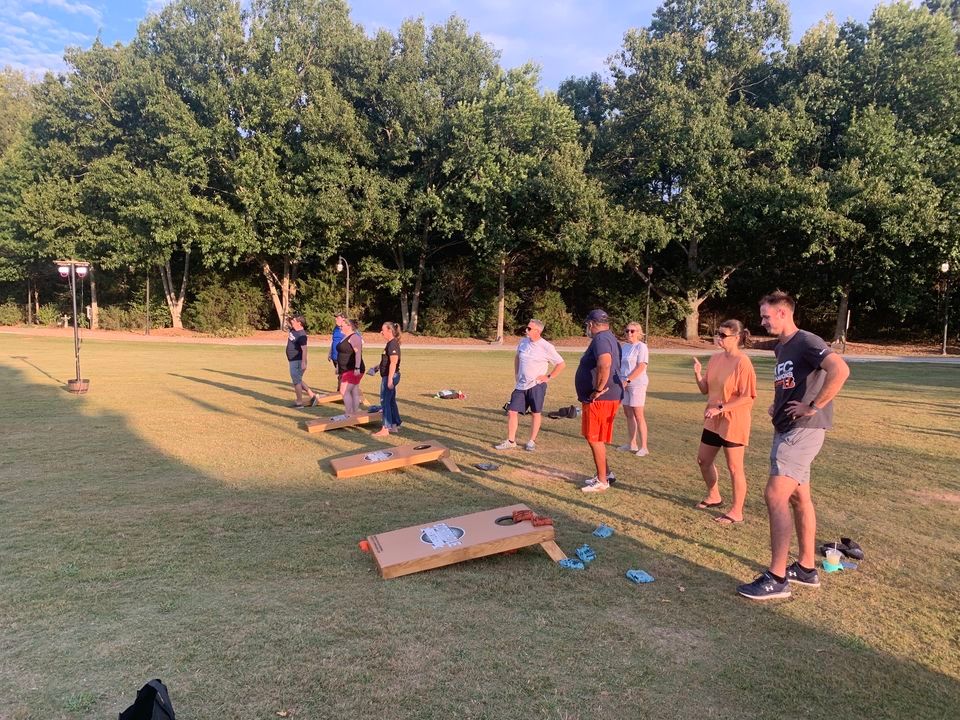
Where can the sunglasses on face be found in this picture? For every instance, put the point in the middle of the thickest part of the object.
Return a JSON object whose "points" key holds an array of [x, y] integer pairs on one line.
{"points": [[722, 336], [631, 332], [528, 329]]}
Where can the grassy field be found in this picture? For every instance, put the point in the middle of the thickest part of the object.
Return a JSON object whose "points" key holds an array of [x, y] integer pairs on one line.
{"points": [[178, 523]]}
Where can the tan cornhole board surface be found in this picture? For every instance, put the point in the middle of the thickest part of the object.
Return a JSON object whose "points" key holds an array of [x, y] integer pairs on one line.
{"points": [[391, 458], [435, 544], [324, 424], [328, 398]]}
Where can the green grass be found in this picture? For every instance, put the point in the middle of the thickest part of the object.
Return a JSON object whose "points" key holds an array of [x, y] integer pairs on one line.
{"points": [[177, 523]]}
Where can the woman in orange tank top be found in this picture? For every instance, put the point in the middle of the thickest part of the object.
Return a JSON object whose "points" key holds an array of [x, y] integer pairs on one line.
{"points": [[730, 385]]}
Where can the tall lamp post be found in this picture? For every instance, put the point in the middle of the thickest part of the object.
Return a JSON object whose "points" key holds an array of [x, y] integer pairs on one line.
{"points": [[341, 264], [71, 270], [646, 322], [945, 269]]}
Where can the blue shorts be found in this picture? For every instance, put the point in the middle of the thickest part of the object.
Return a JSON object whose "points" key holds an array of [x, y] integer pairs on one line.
{"points": [[296, 372], [532, 399]]}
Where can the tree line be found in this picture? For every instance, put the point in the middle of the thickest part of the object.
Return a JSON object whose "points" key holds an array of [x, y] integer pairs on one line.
{"points": [[239, 154]]}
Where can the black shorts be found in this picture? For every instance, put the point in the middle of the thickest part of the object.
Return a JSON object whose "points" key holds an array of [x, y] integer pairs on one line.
{"points": [[713, 440]]}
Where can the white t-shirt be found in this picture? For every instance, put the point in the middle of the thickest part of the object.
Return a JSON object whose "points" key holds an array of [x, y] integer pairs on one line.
{"points": [[632, 355], [535, 358]]}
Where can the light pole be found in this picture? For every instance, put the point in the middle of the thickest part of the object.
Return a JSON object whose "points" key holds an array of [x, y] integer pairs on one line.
{"points": [[71, 270], [646, 323], [341, 264], [945, 269]]}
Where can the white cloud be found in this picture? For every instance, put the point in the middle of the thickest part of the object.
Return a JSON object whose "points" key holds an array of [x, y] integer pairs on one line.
{"points": [[155, 6], [75, 8]]}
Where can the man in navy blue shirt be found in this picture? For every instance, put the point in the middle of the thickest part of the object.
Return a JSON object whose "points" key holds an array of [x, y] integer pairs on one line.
{"points": [[599, 390]]}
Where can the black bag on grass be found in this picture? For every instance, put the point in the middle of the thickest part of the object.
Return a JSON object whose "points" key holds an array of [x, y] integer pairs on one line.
{"points": [[152, 703]]}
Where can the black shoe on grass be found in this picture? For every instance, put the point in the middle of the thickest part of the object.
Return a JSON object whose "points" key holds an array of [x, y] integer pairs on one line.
{"points": [[796, 574]]}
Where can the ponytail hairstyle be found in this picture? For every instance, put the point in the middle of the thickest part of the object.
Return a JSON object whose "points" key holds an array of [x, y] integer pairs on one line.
{"points": [[394, 330], [737, 327], [353, 323]]}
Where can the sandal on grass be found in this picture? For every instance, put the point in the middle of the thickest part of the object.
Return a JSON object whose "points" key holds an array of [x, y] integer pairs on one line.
{"points": [[726, 520], [704, 505]]}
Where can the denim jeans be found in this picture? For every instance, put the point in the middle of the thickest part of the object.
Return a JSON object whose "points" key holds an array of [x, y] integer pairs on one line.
{"points": [[388, 400]]}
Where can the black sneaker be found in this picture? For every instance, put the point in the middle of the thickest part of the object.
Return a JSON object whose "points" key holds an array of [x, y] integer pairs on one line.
{"points": [[797, 574], [765, 587]]}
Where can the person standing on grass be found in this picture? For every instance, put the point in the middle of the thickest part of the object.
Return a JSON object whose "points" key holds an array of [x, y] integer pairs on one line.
{"points": [[297, 360], [599, 390], [350, 366], [731, 387], [338, 321], [633, 372], [807, 377], [531, 368], [389, 379]]}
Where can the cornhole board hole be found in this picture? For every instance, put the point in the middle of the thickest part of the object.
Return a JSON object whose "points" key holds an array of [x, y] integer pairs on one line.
{"points": [[341, 421], [393, 458], [436, 544], [328, 398]]}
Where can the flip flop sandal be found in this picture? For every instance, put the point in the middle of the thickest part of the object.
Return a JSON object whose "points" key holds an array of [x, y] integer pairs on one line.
{"points": [[703, 505], [586, 554], [603, 531], [571, 564], [639, 576], [850, 548], [726, 520]]}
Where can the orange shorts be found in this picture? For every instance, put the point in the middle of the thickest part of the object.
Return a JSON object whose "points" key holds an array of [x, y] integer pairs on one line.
{"points": [[596, 420]]}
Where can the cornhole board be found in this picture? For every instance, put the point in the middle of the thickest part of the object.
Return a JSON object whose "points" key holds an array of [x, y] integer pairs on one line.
{"points": [[331, 423], [328, 398], [436, 544], [393, 458]]}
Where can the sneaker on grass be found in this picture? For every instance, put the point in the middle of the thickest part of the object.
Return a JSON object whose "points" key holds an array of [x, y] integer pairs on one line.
{"points": [[530, 446], [595, 487], [611, 479], [642, 452], [506, 445], [797, 574], [765, 587]]}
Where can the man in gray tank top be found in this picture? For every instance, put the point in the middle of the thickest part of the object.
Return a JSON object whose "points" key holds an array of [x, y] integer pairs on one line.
{"points": [[807, 377]]}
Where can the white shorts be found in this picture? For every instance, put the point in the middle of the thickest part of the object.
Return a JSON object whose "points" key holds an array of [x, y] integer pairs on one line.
{"points": [[634, 395]]}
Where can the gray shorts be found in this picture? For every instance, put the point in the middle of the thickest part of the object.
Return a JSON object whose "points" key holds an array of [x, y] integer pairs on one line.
{"points": [[296, 372], [793, 452]]}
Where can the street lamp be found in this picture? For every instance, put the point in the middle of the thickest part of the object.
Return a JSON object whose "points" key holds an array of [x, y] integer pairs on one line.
{"points": [[945, 268], [71, 270], [341, 264], [646, 326]]}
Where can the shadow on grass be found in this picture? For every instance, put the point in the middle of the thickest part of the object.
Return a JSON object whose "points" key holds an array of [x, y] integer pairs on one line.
{"points": [[253, 601], [251, 378], [25, 359]]}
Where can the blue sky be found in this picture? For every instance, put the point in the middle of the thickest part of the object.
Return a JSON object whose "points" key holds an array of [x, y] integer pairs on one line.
{"points": [[566, 37]]}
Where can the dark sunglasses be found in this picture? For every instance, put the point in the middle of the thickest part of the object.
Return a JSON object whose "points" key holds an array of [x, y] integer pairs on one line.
{"points": [[528, 328], [721, 335], [631, 332]]}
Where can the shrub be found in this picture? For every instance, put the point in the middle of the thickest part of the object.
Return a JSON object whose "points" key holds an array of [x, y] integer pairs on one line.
{"points": [[132, 315], [11, 313], [549, 308], [236, 308], [49, 315], [318, 299]]}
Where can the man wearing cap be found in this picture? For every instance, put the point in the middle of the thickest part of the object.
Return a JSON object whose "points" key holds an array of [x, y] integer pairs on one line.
{"points": [[531, 367], [599, 389], [297, 360]]}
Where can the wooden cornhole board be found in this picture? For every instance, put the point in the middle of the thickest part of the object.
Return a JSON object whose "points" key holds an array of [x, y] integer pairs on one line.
{"points": [[393, 458], [324, 424], [435, 544], [328, 398]]}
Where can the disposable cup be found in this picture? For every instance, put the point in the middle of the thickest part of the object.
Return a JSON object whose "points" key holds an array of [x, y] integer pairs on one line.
{"points": [[834, 556]]}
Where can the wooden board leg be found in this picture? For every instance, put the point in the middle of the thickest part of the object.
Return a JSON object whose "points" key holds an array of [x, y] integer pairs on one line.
{"points": [[553, 550], [449, 464]]}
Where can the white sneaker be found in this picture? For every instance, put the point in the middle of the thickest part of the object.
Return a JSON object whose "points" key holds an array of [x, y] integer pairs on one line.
{"points": [[642, 452], [530, 446], [506, 445], [611, 479], [595, 487], [627, 448]]}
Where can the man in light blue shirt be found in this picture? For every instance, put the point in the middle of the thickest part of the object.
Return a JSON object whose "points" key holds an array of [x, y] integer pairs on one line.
{"points": [[531, 366]]}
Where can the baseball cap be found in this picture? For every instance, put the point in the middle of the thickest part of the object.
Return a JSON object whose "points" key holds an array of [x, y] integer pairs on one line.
{"points": [[598, 316]]}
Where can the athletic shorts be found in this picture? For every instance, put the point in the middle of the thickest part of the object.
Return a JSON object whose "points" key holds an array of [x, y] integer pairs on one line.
{"points": [[596, 420], [634, 395], [709, 437], [793, 452], [351, 377], [296, 372], [532, 399]]}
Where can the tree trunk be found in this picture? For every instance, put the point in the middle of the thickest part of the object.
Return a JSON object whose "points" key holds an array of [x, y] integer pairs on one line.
{"points": [[691, 323], [404, 311], [272, 283], [500, 299], [417, 286], [174, 299], [29, 302], [94, 307], [36, 302], [840, 329]]}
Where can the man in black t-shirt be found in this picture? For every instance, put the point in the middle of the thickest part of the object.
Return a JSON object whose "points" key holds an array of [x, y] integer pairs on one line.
{"points": [[297, 360], [807, 376]]}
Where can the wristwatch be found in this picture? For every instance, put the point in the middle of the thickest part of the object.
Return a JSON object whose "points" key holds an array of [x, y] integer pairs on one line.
{"points": [[813, 405]]}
